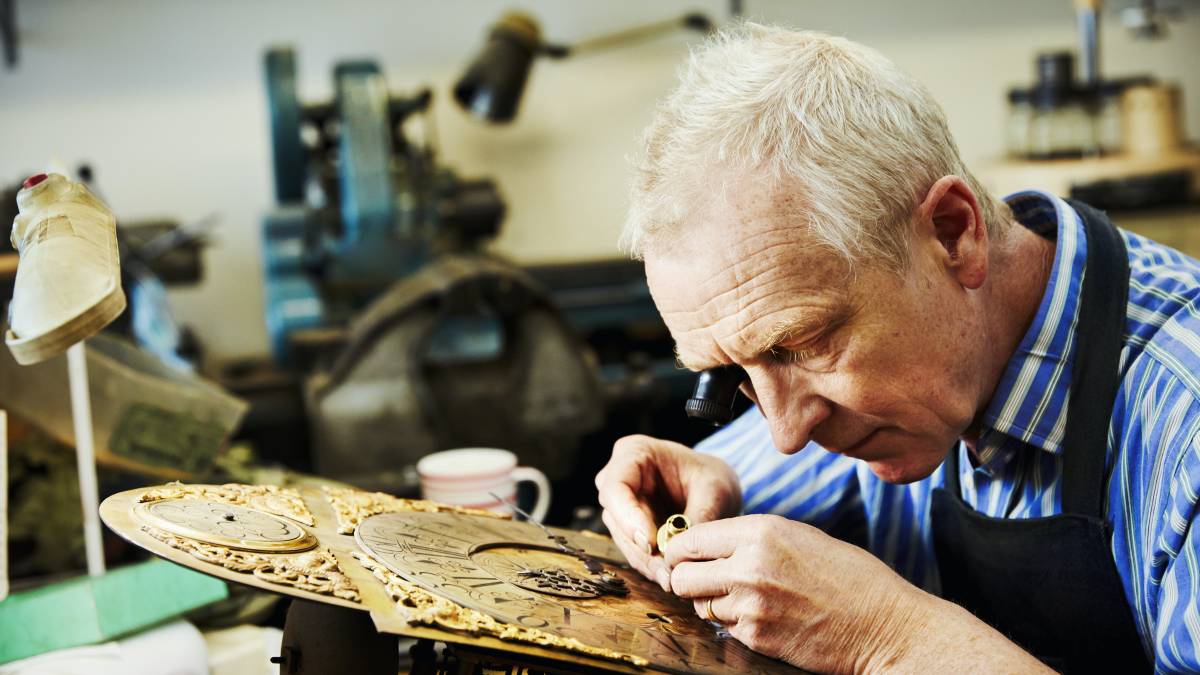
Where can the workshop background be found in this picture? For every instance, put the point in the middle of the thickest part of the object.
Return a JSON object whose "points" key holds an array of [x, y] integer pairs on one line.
{"points": [[309, 307], [166, 101]]}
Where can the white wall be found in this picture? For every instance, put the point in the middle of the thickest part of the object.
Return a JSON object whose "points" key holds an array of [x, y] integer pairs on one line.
{"points": [[165, 99]]}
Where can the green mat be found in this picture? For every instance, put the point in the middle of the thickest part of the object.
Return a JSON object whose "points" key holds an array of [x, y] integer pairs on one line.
{"points": [[88, 610]]}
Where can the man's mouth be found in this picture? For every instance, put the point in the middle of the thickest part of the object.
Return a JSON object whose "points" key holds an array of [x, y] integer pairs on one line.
{"points": [[852, 450]]}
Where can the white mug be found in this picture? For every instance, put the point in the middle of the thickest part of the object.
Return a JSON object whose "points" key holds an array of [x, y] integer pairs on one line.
{"points": [[470, 476]]}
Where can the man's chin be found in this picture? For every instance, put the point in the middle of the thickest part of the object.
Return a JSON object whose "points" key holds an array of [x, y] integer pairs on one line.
{"points": [[902, 470]]}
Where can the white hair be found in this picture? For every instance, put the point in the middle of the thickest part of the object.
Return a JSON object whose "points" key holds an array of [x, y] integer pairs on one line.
{"points": [[858, 140]]}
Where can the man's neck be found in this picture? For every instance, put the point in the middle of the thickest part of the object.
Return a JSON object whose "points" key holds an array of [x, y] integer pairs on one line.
{"points": [[1020, 268]]}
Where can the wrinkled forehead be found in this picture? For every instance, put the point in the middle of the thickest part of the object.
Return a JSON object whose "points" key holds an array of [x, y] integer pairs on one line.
{"points": [[724, 283]]}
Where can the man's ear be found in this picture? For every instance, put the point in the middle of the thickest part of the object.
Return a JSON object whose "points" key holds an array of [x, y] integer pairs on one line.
{"points": [[951, 214]]}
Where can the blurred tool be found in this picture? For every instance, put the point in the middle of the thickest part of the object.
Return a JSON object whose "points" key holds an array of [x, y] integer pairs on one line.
{"points": [[360, 204], [491, 89], [1115, 143], [8, 31], [385, 312], [1087, 18], [1147, 19], [467, 352], [68, 287], [379, 293], [155, 254], [68, 283], [3, 505], [492, 85], [153, 420], [676, 524]]}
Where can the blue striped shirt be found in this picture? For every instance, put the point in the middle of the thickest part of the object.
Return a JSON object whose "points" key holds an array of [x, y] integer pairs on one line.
{"points": [[1153, 444]]}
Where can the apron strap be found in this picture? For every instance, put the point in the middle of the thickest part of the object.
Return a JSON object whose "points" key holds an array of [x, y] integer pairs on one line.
{"points": [[950, 468], [1095, 375]]}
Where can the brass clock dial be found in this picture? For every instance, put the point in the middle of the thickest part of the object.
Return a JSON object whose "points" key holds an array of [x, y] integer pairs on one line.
{"points": [[511, 571], [236, 527]]}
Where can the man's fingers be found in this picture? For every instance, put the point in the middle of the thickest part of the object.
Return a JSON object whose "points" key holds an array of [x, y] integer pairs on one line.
{"points": [[631, 516], [721, 608], [705, 541], [703, 579], [634, 554], [652, 567]]}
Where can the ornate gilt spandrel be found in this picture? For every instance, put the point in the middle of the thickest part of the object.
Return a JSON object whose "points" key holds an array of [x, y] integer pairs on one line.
{"points": [[315, 571], [351, 507], [423, 607], [270, 498]]}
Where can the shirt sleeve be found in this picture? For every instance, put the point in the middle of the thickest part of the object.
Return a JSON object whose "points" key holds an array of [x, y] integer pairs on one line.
{"points": [[813, 485], [1177, 620]]}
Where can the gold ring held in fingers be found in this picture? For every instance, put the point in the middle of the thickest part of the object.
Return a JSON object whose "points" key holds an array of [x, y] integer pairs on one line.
{"points": [[708, 610]]}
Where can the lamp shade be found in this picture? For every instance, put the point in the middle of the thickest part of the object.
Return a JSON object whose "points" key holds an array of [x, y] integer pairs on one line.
{"points": [[492, 85]]}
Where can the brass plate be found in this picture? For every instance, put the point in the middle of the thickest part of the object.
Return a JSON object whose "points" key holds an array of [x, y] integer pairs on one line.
{"points": [[647, 623], [230, 525], [475, 563]]}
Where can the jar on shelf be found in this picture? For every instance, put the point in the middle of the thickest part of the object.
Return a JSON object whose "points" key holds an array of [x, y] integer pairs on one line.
{"points": [[1020, 114], [1107, 120], [1061, 125]]}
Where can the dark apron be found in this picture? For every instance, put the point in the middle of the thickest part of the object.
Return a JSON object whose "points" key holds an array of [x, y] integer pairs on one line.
{"points": [[1050, 584]]}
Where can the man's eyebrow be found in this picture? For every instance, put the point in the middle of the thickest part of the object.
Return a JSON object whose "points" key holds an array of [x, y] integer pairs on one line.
{"points": [[810, 326]]}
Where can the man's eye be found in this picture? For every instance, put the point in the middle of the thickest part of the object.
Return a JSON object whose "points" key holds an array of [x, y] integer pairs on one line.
{"points": [[812, 356], [792, 355]]}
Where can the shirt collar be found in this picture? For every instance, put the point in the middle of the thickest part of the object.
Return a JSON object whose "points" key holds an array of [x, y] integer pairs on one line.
{"points": [[1030, 402]]}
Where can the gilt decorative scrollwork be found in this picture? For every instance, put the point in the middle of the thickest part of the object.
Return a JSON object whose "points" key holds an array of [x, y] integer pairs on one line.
{"points": [[354, 506], [316, 571], [272, 499], [423, 607]]}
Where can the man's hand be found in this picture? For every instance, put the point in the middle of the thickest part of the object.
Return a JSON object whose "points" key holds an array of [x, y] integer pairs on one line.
{"points": [[788, 590], [647, 480]]}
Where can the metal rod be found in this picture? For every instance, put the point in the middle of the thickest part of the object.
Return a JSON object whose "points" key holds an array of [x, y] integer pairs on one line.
{"points": [[3, 506], [639, 34], [85, 456], [1087, 17], [8, 31]]}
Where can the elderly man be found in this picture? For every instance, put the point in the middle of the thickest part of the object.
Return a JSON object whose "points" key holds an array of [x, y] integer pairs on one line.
{"points": [[998, 399]]}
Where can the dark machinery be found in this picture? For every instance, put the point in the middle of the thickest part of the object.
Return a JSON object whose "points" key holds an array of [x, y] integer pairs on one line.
{"points": [[395, 334], [467, 352], [359, 204], [409, 337]]}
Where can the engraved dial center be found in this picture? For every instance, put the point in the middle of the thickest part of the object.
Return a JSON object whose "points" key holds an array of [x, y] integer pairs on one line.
{"points": [[225, 525], [540, 571]]}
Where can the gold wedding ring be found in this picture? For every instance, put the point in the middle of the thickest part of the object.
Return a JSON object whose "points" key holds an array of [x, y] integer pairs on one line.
{"points": [[708, 610]]}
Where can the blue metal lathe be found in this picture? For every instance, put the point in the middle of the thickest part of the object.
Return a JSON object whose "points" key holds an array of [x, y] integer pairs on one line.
{"points": [[359, 205]]}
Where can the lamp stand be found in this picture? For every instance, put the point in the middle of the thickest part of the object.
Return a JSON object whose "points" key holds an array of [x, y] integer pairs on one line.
{"points": [[85, 456]]}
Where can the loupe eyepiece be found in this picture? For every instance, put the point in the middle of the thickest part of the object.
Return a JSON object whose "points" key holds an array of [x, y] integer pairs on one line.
{"points": [[716, 390]]}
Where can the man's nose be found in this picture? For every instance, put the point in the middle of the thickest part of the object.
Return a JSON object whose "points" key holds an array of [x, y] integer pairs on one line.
{"points": [[792, 408]]}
